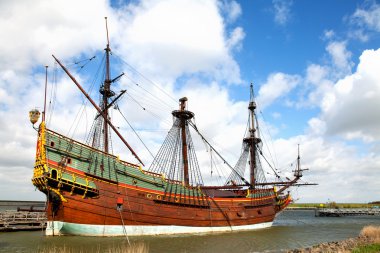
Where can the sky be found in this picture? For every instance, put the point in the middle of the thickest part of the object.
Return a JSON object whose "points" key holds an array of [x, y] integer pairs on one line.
{"points": [[314, 66]]}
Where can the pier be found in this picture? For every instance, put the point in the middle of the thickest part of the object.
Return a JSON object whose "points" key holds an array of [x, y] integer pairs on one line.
{"points": [[22, 220], [338, 212]]}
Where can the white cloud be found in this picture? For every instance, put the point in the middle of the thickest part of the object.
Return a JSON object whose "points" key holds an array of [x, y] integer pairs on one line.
{"points": [[349, 112], [336, 167], [341, 57], [282, 11], [231, 9], [32, 31], [276, 86], [317, 85], [365, 20], [351, 108], [368, 18], [236, 38], [316, 73], [329, 34], [317, 127], [158, 32], [359, 34]]}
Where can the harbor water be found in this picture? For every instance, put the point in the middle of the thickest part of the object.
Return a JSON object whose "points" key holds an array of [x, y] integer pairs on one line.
{"points": [[291, 229]]}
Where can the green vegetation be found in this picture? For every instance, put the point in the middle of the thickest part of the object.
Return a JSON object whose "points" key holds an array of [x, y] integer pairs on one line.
{"points": [[372, 233], [371, 248]]}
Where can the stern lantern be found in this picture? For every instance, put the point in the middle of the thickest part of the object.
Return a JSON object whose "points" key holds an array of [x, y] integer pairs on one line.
{"points": [[34, 115]]}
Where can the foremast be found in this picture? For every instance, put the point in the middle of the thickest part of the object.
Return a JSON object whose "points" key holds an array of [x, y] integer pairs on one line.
{"points": [[105, 90]]}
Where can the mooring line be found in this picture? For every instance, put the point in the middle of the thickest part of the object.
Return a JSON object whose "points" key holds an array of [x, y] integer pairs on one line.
{"points": [[124, 230]]}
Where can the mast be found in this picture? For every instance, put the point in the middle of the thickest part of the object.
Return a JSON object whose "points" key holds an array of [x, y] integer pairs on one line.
{"points": [[298, 170], [105, 90], [252, 140], [184, 117], [297, 173]]}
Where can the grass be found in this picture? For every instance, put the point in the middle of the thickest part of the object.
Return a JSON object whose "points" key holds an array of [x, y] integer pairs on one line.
{"points": [[371, 248], [372, 234], [133, 248]]}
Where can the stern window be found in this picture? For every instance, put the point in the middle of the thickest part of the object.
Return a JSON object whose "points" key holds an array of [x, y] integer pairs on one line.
{"points": [[54, 174]]}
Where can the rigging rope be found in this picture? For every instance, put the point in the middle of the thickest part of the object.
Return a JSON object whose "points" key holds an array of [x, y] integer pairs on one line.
{"points": [[261, 153], [274, 160], [52, 94], [88, 61], [145, 90], [147, 79], [82, 109], [144, 109], [135, 132], [224, 160]]}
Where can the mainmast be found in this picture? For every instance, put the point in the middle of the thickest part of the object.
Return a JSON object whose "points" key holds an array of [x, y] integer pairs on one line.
{"points": [[184, 116], [252, 140], [105, 90]]}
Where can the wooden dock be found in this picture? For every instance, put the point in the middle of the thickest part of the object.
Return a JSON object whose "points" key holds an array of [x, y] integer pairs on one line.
{"points": [[22, 220], [339, 212]]}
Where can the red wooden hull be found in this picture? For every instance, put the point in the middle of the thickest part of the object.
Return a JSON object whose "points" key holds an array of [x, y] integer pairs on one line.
{"points": [[140, 207]]}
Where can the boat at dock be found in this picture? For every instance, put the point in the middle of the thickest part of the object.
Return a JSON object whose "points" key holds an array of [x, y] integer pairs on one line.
{"points": [[91, 191]]}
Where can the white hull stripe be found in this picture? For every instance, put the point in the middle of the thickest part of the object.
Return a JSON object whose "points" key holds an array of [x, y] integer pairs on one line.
{"points": [[66, 228]]}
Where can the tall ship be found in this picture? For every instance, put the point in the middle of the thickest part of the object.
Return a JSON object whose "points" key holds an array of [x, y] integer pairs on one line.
{"points": [[92, 192]]}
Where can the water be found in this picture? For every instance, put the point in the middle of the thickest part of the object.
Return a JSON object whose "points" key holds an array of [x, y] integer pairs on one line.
{"points": [[292, 229]]}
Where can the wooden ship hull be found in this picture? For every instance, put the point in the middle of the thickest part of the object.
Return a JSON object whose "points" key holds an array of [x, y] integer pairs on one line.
{"points": [[85, 200]]}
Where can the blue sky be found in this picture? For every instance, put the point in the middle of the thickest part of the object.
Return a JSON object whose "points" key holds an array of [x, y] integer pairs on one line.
{"points": [[290, 43], [314, 65]]}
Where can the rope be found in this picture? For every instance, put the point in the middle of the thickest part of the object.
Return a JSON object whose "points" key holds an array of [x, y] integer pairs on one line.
{"points": [[147, 91], [53, 94], [274, 159], [124, 230], [135, 132], [224, 214], [144, 109], [261, 153], [224, 160], [147, 79], [82, 110]]}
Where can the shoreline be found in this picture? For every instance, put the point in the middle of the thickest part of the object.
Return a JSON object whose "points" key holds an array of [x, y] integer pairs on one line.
{"points": [[369, 235], [335, 246]]}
